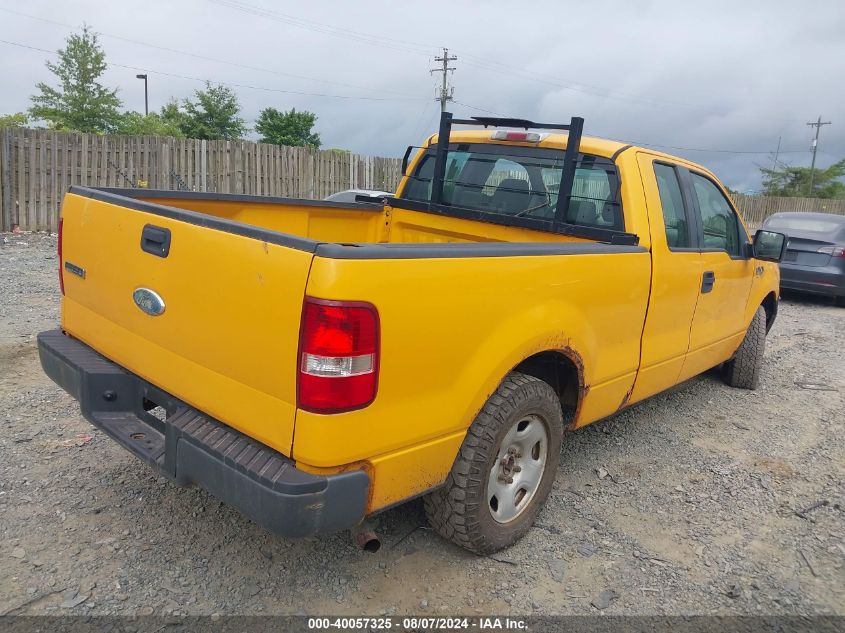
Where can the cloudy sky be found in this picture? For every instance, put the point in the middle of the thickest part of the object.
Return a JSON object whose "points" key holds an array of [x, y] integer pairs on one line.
{"points": [[716, 82]]}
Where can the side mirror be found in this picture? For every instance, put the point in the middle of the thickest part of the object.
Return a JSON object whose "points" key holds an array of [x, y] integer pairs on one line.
{"points": [[769, 246]]}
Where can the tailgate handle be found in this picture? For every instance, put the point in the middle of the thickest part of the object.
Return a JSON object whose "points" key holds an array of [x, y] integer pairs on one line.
{"points": [[155, 240]]}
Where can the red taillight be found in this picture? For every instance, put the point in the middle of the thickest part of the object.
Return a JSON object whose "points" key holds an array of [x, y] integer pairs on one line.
{"points": [[61, 265], [508, 135], [338, 355], [833, 251]]}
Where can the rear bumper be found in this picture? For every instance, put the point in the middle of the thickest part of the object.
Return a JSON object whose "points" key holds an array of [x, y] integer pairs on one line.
{"points": [[823, 280], [192, 448]]}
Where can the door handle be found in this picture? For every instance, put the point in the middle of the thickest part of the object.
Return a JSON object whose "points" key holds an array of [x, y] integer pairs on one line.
{"points": [[708, 280], [155, 240]]}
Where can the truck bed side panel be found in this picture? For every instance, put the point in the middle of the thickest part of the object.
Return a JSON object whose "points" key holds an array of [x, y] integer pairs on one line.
{"points": [[453, 327]]}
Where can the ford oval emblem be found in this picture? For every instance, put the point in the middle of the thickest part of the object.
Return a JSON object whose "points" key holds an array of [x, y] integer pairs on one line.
{"points": [[149, 301]]}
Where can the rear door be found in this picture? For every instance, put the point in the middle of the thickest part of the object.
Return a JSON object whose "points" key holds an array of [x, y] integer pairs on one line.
{"points": [[727, 272], [227, 338]]}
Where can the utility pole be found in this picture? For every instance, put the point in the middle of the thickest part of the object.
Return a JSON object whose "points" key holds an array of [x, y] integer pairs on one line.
{"points": [[446, 93], [816, 124], [775, 161], [773, 177]]}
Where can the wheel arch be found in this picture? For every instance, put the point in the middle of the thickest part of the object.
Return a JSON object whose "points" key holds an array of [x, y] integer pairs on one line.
{"points": [[770, 305], [563, 370]]}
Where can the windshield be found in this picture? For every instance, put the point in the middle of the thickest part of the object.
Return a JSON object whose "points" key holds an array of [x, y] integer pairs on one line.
{"points": [[814, 225], [521, 182]]}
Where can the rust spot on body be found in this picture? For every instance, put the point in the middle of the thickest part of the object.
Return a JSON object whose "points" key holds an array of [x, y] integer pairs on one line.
{"points": [[625, 400], [583, 389], [364, 465], [562, 344]]}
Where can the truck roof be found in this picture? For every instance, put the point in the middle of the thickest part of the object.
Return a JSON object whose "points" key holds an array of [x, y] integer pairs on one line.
{"points": [[589, 144]]}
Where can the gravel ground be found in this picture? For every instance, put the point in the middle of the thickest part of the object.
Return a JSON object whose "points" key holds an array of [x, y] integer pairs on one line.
{"points": [[683, 504]]}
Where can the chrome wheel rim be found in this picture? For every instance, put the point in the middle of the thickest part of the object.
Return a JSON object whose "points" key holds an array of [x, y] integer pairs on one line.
{"points": [[518, 469]]}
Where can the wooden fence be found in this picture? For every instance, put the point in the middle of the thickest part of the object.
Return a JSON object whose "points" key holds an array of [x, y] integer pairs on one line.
{"points": [[38, 166], [755, 209]]}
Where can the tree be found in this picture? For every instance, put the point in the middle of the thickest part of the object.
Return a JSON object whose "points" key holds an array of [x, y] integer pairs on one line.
{"points": [[152, 124], [171, 114], [287, 128], [19, 119], [79, 103], [794, 182], [214, 115]]}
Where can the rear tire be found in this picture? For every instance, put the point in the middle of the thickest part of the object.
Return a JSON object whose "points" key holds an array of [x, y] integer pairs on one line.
{"points": [[743, 370], [504, 470]]}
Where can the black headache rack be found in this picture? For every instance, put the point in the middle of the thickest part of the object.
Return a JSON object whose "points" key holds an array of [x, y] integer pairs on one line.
{"points": [[575, 128]]}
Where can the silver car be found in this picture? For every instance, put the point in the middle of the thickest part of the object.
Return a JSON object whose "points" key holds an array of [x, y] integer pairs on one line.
{"points": [[814, 261], [349, 195]]}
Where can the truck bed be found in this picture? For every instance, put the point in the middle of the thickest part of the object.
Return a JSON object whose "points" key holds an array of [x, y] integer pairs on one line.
{"points": [[322, 221]]}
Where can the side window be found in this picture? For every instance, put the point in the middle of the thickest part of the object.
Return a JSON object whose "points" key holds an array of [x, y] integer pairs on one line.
{"points": [[718, 221], [419, 184], [672, 202]]}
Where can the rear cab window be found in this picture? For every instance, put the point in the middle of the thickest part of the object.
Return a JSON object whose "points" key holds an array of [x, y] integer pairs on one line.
{"points": [[809, 224], [521, 182]]}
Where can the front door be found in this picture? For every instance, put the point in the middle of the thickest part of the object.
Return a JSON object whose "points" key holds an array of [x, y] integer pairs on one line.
{"points": [[727, 271]]}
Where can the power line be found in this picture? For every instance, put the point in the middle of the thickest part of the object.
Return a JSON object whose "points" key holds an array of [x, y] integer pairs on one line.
{"points": [[717, 151], [327, 29], [472, 107], [818, 125], [211, 59], [656, 145], [484, 63], [416, 47], [420, 121], [229, 83], [566, 84], [401, 45], [446, 93], [598, 92]]}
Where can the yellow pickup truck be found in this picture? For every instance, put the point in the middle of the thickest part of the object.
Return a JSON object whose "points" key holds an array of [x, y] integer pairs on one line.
{"points": [[313, 363]]}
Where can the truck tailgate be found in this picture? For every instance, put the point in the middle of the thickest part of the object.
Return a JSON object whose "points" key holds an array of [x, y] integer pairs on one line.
{"points": [[227, 339]]}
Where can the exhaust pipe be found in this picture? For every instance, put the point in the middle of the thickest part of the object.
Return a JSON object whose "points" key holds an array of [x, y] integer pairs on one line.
{"points": [[365, 537]]}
